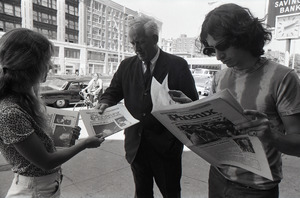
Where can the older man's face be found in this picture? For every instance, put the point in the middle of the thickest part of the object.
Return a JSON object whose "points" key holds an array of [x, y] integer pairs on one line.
{"points": [[144, 46]]}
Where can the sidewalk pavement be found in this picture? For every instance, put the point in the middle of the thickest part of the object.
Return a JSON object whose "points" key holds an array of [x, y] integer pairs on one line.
{"points": [[104, 173]]}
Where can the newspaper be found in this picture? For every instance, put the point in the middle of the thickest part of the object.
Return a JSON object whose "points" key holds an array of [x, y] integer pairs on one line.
{"points": [[159, 94], [207, 128], [62, 123], [114, 119]]}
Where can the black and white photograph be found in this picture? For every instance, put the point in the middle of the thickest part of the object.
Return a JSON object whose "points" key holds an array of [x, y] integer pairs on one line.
{"points": [[82, 58]]}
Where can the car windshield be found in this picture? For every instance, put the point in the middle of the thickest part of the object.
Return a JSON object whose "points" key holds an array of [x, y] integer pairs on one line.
{"points": [[57, 84]]}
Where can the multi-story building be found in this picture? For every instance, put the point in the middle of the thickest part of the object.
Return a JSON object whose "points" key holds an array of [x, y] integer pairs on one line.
{"points": [[89, 35], [186, 47], [167, 45]]}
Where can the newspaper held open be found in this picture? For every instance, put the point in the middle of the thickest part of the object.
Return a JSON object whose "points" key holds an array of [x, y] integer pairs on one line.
{"points": [[207, 128], [114, 119], [62, 123]]}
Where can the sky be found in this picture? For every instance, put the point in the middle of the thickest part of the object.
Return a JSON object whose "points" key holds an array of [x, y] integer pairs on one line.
{"points": [[186, 16]]}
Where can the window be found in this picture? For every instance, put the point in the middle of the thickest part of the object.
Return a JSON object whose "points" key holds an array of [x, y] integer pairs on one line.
{"points": [[96, 43], [95, 31], [52, 35], [1, 25], [71, 10], [75, 25], [72, 53], [35, 15], [17, 11], [54, 21], [53, 4], [95, 68], [98, 68], [76, 11], [96, 6], [48, 33], [95, 18], [45, 3], [1, 8], [45, 32], [8, 9], [71, 24], [74, 86], [9, 26], [44, 18], [96, 56], [56, 51]]}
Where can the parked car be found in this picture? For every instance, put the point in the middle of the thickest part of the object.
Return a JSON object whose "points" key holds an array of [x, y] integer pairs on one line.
{"points": [[62, 92]]}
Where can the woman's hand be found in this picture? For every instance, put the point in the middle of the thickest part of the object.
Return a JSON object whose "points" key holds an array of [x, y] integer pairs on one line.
{"points": [[179, 96], [94, 141]]}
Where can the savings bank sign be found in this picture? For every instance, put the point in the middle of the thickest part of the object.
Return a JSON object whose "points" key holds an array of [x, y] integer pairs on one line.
{"points": [[281, 7]]}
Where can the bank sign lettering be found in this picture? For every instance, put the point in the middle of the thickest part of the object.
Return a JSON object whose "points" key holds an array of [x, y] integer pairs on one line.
{"points": [[281, 7]]}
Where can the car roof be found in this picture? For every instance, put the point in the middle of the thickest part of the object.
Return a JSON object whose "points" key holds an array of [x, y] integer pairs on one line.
{"points": [[72, 79]]}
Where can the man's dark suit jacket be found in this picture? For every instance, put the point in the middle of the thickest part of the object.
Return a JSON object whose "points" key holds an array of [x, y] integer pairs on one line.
{"points": [[128, 84]]}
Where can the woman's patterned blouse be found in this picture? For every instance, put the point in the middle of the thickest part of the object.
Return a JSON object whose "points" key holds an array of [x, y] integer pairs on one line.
{"points": [[15, 126]]}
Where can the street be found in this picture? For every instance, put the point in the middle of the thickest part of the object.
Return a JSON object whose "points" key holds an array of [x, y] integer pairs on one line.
{"points": [[104, 173]]}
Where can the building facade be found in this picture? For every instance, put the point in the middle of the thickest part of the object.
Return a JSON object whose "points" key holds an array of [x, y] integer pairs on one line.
{"points": [[90, 36], [186, 47]]}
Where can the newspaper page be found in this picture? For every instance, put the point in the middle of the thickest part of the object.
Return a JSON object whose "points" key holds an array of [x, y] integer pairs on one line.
{"points": [[207, 128], [159, 94], [114, 119], [62, 123]]}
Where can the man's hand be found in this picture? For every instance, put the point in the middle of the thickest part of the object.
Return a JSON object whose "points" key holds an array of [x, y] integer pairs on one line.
{"points": [[258, 125], [179, 96], [101, 107]]}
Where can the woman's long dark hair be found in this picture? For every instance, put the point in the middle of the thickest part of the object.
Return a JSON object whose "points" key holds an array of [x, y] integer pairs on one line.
{"points": [[24, 62]]}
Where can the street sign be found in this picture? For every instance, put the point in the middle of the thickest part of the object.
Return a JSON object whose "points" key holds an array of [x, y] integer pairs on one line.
{"points": [[281, 7]]}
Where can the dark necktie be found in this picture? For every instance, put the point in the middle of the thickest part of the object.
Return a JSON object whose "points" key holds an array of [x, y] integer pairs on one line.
{"points": [[147, 74]]}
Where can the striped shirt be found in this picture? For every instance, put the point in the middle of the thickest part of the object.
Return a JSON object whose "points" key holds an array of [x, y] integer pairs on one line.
{"points": [[270, 88]]}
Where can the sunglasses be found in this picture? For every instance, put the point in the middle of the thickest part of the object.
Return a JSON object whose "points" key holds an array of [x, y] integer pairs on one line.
{"points": [[221, 46]]}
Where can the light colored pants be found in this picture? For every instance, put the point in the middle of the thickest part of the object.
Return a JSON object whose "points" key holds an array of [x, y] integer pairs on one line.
{"points": [[47, 186]]}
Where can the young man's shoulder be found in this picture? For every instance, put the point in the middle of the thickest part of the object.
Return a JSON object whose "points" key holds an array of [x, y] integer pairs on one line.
{"points": [[276, 70], [270, 63]]}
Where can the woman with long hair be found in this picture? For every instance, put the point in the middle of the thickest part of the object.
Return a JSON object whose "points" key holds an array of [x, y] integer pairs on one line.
{"points": [[25, 58]]}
